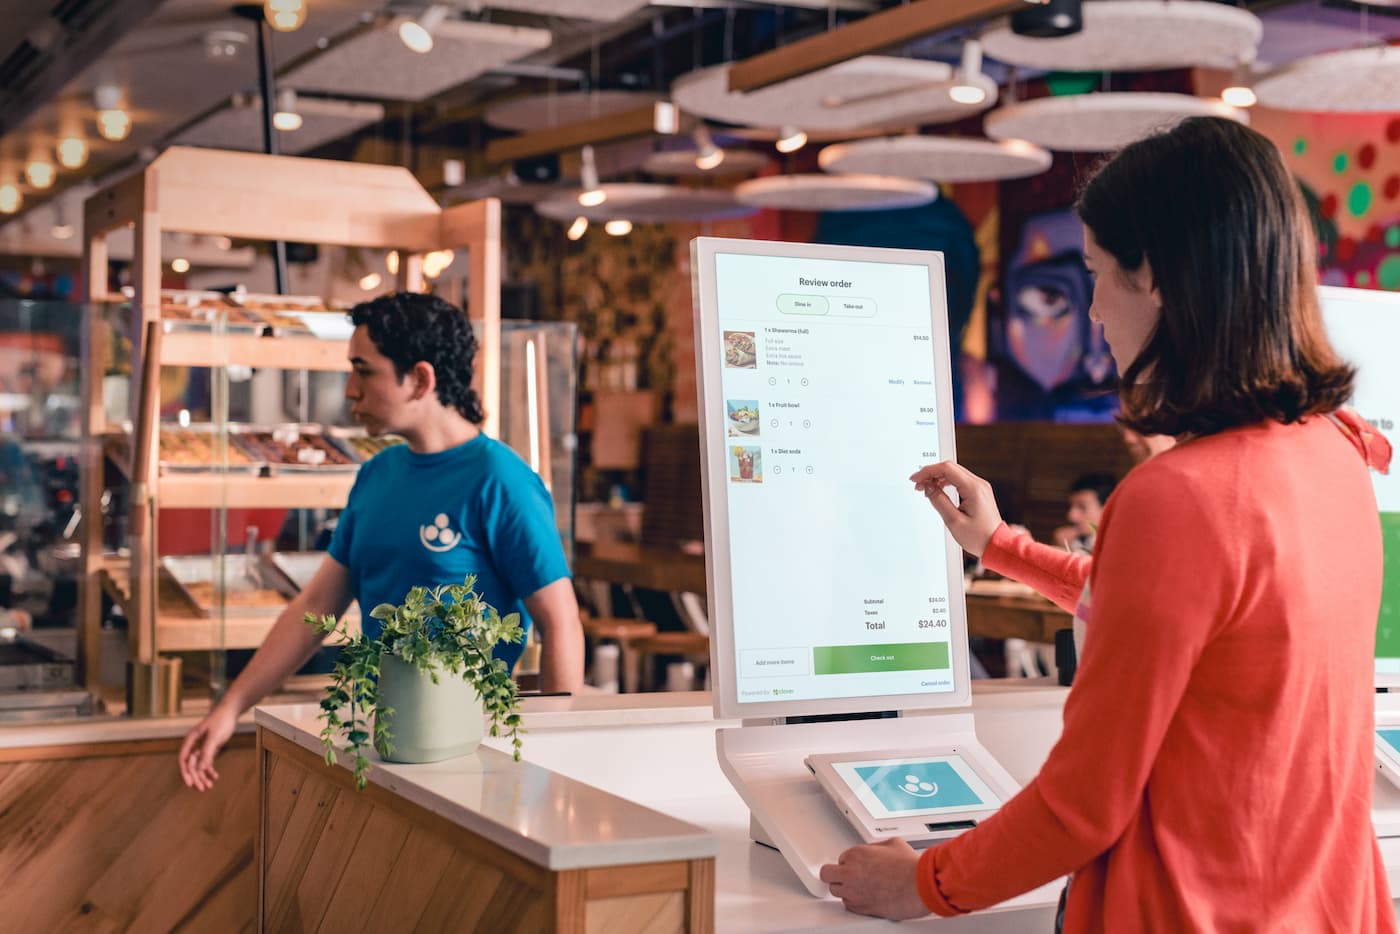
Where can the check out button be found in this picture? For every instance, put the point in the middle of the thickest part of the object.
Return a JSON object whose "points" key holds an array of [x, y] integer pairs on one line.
{"points": [[791, 304]]}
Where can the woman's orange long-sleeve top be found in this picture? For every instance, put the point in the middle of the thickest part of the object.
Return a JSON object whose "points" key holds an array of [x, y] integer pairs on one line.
{"points": [[1216, 765]]}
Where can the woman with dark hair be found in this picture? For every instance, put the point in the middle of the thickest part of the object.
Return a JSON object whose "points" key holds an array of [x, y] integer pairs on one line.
{"points": [[449, 502], [1215, 768]]}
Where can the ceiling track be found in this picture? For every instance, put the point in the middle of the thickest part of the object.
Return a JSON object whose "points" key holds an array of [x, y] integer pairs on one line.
{"points": [[31, 75]]}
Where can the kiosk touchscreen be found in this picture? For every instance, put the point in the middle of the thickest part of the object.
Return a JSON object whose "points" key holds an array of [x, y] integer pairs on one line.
{"points": [[1388, 750], [1364, 327], [834, 588], [824, 382]]}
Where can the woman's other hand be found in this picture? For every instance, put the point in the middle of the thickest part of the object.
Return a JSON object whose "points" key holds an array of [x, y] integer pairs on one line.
{"points": [[878, 879], [975, 516]]}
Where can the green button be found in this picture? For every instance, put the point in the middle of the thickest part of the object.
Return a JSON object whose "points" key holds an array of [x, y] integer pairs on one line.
{"points": [[898, 656], [790, 304]]}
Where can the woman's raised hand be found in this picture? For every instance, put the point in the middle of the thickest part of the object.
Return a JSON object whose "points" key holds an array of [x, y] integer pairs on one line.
{"points": [[975, 516]]}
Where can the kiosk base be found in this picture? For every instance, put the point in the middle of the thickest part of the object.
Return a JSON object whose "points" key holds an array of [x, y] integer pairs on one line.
{"points": [[789, 810]]}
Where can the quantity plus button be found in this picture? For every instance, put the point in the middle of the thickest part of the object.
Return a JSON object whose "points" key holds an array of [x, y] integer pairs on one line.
{"points": [[802, 304], [899, 656]]}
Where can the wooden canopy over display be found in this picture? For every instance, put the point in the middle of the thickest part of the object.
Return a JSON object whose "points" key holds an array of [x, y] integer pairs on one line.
{"points": [[255, 197]]}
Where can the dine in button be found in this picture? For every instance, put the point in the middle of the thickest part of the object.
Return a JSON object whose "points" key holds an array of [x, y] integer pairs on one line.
{"points": [[790, 304]]}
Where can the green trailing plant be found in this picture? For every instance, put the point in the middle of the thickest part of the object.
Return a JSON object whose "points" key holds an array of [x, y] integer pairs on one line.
{"points": [[442, 629]]}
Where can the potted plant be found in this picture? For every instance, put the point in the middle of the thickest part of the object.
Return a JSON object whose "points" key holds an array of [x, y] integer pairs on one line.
{"points": [[429, 679]]}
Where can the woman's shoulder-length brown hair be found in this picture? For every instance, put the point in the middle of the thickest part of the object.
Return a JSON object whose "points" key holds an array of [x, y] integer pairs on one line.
{"points": [[1221, 224]]}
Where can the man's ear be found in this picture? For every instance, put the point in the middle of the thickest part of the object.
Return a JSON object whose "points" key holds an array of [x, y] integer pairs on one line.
{"points": [[424, 379]]}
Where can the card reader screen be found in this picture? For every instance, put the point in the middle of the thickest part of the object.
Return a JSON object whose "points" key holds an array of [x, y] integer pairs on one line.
{"points": [[1391, 737], [912, 787], [838, 567]]}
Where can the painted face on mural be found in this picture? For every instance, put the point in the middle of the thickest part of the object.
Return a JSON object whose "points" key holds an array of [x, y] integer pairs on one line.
{"points": [[1048, 331]]}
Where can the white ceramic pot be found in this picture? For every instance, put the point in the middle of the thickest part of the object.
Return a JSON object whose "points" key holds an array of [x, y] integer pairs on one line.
{"points": [[429, 721]]}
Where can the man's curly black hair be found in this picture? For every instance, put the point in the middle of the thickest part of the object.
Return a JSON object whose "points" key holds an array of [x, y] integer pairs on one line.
{"points": [[408, 327]]}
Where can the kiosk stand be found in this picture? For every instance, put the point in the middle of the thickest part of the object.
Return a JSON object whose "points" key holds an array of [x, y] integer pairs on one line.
{"points": [[824, 382]]}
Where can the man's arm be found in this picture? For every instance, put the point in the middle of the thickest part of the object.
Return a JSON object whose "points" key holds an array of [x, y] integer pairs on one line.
{"points": [[555, 611], [287, 647]]}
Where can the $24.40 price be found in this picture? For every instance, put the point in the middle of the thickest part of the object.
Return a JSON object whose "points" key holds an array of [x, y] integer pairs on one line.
{"points": [[933, 624]]}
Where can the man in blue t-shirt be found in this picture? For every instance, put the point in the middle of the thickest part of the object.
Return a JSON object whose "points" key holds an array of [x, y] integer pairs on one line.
{"points": [[449, 503]]}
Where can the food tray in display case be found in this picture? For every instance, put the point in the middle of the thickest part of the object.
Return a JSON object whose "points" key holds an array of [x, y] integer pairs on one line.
{"points": [[297, 316], [180, 308], [190, 449], [296, 449], [298, 567], [248, 589], [358, 443]]}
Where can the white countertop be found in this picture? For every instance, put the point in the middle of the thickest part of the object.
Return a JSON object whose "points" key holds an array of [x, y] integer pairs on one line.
{"points": [[542, 816]]}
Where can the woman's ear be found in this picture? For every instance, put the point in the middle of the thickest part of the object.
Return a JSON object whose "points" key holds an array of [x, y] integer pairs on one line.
{"points": [[1144, 281]]}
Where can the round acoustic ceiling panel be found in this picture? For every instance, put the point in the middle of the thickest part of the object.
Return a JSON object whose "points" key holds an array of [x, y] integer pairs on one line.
{"points": [[646, 204], [1100, 122], [505, 190], [939, 158], [681, 162], [1357, 80], [872, 90], [812, 192], [543, 111], [1136, 35]]}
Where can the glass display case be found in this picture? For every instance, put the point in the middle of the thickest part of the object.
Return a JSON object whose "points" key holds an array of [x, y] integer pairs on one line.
{"points": [[539, 390]]}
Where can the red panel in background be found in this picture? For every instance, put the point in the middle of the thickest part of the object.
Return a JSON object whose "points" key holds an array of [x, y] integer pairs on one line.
{"points": [[191, 531]]}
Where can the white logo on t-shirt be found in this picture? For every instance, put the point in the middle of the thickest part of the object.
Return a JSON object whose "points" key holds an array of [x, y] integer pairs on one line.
{"points": [[438, 537]]}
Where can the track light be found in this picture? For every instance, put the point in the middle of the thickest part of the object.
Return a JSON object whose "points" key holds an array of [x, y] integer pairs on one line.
{"points": [[72, 151], [967, 90], [618, 227], [578, 228], [284, 15], [370, 281], [287, 117], [180, 265], [391, 262], [790, 139], [113, 123], [10, 198], [593, 193], [707, 155], [417, 34]]}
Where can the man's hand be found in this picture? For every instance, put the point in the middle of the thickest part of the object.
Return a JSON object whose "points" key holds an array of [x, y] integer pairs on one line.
{"points": [[878, 879], [202, 744]]}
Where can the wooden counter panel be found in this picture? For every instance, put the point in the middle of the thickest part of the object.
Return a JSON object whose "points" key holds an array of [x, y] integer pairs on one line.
{"points": [[335, 858], [94, 841]]}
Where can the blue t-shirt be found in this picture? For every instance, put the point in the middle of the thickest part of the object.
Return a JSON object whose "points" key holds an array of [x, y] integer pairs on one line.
{"points": [[430, 519]]}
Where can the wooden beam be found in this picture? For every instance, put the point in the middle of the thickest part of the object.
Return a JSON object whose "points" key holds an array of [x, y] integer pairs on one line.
{"points": [[871, 34], [604, 129]]}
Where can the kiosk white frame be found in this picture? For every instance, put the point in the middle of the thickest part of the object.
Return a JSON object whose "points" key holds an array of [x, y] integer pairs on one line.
{"points": [[765, 759]]}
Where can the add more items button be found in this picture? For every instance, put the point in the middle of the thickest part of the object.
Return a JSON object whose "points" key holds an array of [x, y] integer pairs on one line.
{"points": [[862, 659]]}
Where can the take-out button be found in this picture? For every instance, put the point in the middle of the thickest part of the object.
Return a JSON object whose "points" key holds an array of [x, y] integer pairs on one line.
{"points": [[791, 304]]}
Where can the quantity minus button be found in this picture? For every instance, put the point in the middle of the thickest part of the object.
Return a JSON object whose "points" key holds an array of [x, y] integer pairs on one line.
{"points": [[790, 304]]}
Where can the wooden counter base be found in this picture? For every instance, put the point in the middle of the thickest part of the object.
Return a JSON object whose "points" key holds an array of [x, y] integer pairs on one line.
{"points": [[105, 837], [332, 858]]}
